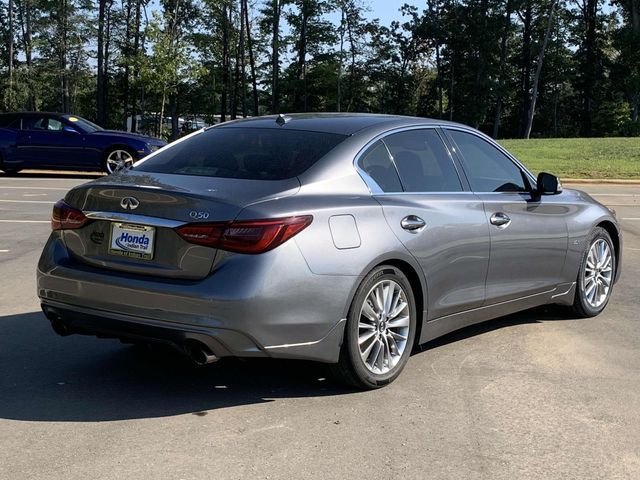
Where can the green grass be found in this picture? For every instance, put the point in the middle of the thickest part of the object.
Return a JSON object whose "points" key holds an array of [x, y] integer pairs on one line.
{"points": [[579, 157]]}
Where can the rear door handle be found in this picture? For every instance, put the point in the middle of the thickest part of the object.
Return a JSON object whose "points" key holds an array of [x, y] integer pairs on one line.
{"points": [[412, 223], [500, 219]]}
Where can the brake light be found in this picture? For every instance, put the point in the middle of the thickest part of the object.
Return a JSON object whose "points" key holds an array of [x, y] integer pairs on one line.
{"points": [[65, 217], [253, 236]]}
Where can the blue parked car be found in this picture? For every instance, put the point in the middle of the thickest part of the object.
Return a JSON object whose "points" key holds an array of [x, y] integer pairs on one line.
{"points": [[56, 141]]}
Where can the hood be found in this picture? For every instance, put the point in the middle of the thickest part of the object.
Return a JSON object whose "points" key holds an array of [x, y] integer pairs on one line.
{"points": [[135, 136]]}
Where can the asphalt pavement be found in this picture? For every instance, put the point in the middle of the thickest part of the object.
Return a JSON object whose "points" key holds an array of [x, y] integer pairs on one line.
{"points": [[537, 395]]}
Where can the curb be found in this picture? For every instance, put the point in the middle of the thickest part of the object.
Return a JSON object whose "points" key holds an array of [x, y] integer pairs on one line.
{"points": [[603, 181]]}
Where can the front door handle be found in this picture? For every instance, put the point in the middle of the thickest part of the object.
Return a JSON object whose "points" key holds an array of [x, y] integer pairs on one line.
{"points": [[500, 219], [412, 223]]}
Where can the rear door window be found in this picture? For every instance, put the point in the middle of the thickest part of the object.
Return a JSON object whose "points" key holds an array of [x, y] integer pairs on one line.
{"points": [[245, 153], [423, 161]]}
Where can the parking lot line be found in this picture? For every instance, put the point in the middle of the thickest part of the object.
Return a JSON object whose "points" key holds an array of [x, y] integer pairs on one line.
{"points": [[25, 221], [48, 202], [25, 187], [630, 218]]}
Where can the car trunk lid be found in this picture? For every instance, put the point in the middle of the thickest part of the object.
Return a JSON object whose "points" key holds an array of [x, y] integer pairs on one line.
{"points": [[134, 216]]}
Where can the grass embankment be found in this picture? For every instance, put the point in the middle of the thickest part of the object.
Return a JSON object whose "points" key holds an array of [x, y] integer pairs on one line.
{"points": [[579, 157]]}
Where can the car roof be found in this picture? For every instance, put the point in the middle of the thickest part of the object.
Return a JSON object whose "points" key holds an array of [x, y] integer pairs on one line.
{"points": [[32, 114], [339, 123]]}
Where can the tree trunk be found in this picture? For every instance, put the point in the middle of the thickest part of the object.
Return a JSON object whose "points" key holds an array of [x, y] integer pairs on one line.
{"points": [[340, 60], [127, 55], [62, 54], [243, 70], [252, 62], [275, 58], [100, 114], [225, 64], [9, 104], [589, 66], [136, 47], [536, 79], [24, 14], [525, 66], [503, 63], [300, 104]]}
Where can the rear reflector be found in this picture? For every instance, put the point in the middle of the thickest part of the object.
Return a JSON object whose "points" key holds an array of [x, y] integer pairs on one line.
{"points": [[65, 217], [253, 236]]}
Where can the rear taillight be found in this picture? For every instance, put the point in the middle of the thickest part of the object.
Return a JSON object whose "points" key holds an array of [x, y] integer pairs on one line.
{"points": [[253, 236], [65, 217]]}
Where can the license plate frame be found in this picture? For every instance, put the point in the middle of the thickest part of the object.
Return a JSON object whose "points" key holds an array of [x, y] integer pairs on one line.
{"points": [[138, 241]]}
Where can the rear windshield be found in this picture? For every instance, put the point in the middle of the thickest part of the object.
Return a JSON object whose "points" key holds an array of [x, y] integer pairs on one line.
{"points": [[247, 153]]}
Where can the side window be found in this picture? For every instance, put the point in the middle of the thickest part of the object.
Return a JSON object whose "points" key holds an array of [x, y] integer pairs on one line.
{"points": [[423, 162], [489, 169], [34, 123], [17, 124], [377, 164], [54, 125], [42, 123]]}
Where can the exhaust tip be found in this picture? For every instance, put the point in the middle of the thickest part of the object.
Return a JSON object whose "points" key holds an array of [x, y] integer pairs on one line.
{"points": [[200, 354], [60, 328]]}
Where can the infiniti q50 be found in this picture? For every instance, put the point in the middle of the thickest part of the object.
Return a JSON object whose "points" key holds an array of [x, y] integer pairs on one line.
{"points": [[340, 238]]}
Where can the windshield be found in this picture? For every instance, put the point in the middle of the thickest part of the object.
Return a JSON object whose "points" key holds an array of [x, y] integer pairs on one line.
{"points": [[245, 153], [83, 124]]}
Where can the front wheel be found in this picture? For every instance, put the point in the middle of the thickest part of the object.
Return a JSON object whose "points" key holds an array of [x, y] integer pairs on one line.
{"points": [[597, 271], [380, 330], [117, 159]]}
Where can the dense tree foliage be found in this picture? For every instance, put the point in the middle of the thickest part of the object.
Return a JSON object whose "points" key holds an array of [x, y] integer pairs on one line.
{"points": [[512, 68]]}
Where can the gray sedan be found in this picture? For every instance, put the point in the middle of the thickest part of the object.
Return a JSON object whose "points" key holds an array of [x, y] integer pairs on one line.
{"points": [[340, 238]]}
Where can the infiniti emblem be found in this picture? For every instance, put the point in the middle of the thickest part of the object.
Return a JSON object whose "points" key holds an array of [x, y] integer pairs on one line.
{"points": [[129, 203]]}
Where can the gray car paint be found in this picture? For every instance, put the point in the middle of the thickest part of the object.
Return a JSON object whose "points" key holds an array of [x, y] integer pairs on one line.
{"points": [[292, 302]]}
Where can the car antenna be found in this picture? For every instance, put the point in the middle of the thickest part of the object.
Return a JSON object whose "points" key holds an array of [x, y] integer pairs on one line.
{"points": [[282, 119]]}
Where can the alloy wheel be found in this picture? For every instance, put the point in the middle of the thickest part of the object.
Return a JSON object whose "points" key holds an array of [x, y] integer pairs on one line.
{"points": [[383, 327], [118, 159], [598, 273]]}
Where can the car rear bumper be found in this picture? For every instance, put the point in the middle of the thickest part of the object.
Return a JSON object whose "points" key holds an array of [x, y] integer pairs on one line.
{"points": [[260, 305]]}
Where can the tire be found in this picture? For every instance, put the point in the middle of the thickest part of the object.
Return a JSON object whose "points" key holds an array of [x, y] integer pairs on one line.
{"points": [[385, 332], [107, 163], [7, 171], [598, 262]]}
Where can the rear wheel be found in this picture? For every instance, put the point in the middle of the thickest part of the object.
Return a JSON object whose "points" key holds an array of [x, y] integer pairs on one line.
{"points": [[595, 279], [380, 330], [117, 158]]}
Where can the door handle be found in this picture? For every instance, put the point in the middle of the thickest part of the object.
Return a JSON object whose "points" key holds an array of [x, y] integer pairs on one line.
{"points": [[412, 223], [500, 220]]}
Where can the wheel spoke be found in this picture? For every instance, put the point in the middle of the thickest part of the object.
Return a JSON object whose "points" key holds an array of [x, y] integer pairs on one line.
{"points": [[369, 312], [399, 322]]}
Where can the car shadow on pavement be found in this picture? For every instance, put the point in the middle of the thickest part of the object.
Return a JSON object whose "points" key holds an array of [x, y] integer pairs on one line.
{"points": [[44, 377]]}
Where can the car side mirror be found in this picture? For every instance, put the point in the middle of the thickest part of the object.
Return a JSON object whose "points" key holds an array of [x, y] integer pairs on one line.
{"points": [[548, 184], [70, 130]]}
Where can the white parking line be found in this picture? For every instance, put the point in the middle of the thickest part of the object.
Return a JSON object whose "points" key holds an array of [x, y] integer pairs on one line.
{"points": [[615, 194], [630, 218], [25, 221], [34, 188], [28, 201], [4, 251]]}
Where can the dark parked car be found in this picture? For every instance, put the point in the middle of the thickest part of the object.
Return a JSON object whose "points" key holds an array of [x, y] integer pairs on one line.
{"points": [[66, 142]]}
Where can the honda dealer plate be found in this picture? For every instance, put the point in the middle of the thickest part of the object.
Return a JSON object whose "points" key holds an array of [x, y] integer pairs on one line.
{"points": [[134, 241]]}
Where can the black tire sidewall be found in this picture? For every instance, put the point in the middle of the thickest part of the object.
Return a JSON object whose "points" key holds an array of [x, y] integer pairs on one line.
{"points": [[597, 234], [363, 375]]}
